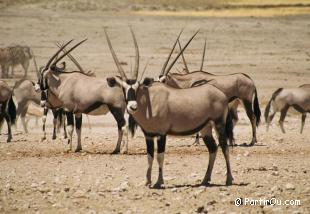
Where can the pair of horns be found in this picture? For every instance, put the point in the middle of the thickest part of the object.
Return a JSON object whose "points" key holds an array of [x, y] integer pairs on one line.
{"points": [[165, 71], [53, 61], [118, 64], [202, 60]]}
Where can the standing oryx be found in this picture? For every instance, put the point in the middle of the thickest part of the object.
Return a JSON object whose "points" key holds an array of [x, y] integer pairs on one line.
{"points": [[234, 86], [161, 110], [284, 98], [79, 93], [7, 107]]}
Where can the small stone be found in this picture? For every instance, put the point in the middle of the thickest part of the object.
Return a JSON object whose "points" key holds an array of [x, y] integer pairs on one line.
{"points": [[275, 173], [211, 202], [246, 154], [174, 190], [289, 186]]}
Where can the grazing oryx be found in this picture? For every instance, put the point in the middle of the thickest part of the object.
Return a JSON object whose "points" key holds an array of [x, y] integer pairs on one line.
{"points": [[284, 98], [79, 93], [234, 86], [12, 56], [161, 110], [7, 107]]}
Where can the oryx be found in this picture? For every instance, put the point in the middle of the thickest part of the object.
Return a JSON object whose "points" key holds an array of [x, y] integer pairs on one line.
{"points": [[24, 94], [284, 98], [12, 56], [79, 93], [161, 110], [7, 107], [237, 85]]}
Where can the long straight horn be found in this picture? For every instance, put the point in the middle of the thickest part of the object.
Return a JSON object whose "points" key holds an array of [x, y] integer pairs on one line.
{"points": [[118, 64], [67, 52], [137, 57], [183, 49], [146, 64], [203, 55], [55, 55], [35, 64], [71, 58], [166, 63], [183, 58]]}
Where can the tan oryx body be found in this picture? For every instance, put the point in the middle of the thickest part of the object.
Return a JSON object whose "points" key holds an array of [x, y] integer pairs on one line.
{"points": [[284, 98], [161, 110], [78, 93], [234, 86], [7, 107]]}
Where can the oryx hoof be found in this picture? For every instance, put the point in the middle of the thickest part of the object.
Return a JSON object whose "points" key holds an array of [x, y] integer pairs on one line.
{"points": [[9, 139], [54, 137], [205, 182], [158, 185], [43, 139], [229, 182], [78, 149], [253, 143], [115, 152], [148, 183]]}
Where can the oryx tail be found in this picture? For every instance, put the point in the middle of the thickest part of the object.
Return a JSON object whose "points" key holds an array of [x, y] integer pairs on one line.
{"points": [[256, 108], [267, 109]]}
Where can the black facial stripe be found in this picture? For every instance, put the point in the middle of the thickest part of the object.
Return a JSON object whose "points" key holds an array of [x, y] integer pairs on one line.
{"points": [[44, 95], [131, 81], [131, 94]]}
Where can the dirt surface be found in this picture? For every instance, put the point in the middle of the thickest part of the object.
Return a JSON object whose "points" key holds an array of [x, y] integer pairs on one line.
{"points": [[41, 177]]}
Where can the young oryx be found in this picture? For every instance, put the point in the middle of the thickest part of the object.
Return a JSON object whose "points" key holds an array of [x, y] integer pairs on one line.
{"points": [[161, 110], [234, 86], [7, 107], [79, 93], [284, 98]]}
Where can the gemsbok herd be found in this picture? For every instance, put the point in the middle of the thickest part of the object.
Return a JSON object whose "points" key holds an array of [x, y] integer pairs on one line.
{"points": [[192, 102]]}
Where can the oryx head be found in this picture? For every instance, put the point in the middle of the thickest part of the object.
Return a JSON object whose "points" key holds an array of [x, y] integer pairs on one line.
{"points": [[47, 73], [131, 85]]}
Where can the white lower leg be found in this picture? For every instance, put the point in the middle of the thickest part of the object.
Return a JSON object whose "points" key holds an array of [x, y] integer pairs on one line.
{"points": [[160, 160], [149, 170]]}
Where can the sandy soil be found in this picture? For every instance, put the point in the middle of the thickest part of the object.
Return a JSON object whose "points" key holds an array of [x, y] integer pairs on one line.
{"points": [[40, 177]]}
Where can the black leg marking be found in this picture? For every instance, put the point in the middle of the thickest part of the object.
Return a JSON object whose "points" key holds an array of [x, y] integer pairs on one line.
{"points": [[78, 126], [150, 158], [118, 114]]}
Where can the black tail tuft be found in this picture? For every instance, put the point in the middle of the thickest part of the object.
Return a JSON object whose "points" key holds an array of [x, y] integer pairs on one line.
{"points": [[132, 125], [256, 108], [12, 110], [229, 127]]}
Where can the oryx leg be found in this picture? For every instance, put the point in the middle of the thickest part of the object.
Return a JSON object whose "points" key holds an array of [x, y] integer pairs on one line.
{"points": [[70, 122], [212, 148], [119, 117], [44, 123], [249, 111], [25, 67], [150, 157], [161, 146], [78, 128], [222, 138], [282, 117], [65, 128], [303, 119], [8, 121], [196, 143], [55, 116], [22, 118]]}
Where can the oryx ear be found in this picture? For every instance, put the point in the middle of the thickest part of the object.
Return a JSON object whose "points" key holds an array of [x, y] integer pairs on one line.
{"points": [[161, 78], [148, 81], [111, 81]]}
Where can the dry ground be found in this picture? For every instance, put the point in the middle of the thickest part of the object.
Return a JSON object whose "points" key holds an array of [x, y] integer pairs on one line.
{"points": [[40, 177]]}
